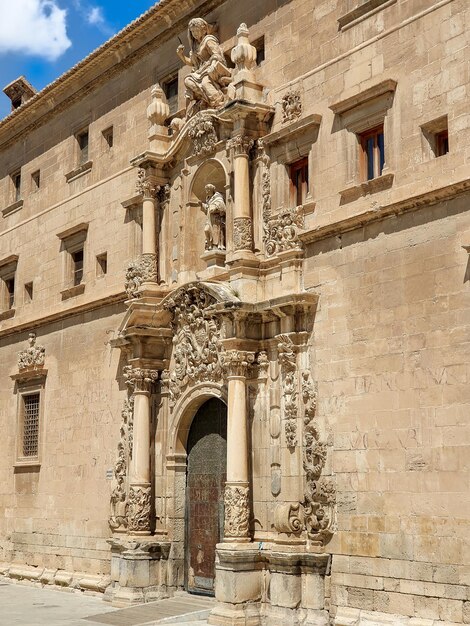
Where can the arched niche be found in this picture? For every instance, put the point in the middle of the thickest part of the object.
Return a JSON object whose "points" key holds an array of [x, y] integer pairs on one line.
{"points": [[210, 172]]}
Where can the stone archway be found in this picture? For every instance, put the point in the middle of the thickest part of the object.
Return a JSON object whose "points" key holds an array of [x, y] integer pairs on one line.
{"points": [[205, 482]]}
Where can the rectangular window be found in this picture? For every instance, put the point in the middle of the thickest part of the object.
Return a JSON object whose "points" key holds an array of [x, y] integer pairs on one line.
{"points": [[82, 140], [28, 292], [102, 264], [108, 136], [16, 179], [260, 50], [299, 181], [31, 403], [77, 268], [170, 88], [372, 153], [36, 180], [442, 143], [10, 288]]}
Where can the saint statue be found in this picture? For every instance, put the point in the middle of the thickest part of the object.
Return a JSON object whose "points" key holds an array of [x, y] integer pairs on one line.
{"points": [[214, 208], [209, 77]]}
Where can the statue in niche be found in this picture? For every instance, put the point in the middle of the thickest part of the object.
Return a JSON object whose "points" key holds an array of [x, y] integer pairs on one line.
{"points": [[206, 84], [214, 208]]}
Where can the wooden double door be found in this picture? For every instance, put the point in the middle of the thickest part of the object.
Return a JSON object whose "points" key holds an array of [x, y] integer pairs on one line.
{"points": [[205, 482]]}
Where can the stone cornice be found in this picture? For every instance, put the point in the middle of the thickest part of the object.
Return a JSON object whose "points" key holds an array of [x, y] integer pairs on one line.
{"points": [[152, 29], [395, 208], [37, 322]]}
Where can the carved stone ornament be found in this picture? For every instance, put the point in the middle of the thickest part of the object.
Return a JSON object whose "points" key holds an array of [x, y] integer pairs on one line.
{"points": [[145, 185], [197, 351], [291, 106], [33, 356], [118, 518], [242, 233], [281, 232], [139, 378], [237, 362], [240, 144], [237, 511], [141, 270], [202, 132], [288, 362], [315, 515], [209, 77], [163, 194], [138, 508], [265, 164]]}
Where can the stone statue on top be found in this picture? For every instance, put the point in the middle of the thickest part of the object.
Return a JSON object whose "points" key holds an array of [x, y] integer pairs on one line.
{"points": [[210, 76]]}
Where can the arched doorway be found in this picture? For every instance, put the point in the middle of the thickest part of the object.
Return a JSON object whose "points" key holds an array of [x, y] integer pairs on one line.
{"points": [[205, 481]]}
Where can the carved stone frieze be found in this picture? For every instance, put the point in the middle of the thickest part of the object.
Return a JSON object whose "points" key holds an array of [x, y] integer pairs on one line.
{"points": [[138, 508], [202, 132], [145, 185], [291, 106], [288, 362], [315, 515], [118, 518], [140, 379], [237, 511], [33, 356], [141, 270], [240, 144], [281, 232], [197, 351], [242, 233]]}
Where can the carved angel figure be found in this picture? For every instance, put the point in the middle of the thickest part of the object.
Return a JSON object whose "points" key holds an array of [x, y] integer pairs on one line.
{"points": [[210, 75], [214, 208]]}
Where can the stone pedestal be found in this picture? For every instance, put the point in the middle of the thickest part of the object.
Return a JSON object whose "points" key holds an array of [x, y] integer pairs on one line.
{"points": [[138, 571], [215, 264]]}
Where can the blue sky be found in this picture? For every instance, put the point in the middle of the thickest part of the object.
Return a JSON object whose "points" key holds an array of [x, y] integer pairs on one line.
{"points": [[41, 39]]}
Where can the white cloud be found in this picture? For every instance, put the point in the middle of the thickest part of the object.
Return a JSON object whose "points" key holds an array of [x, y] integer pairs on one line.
{"points": [[95, 16], [33, 27]]}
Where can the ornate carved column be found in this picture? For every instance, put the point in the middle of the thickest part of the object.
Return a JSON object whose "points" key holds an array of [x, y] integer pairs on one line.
{"points": [[236, 497], [139, 500], [242, 214], [147, 186]]}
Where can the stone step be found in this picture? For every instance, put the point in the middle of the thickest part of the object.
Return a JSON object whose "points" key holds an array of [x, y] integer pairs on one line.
{"points": [[183, 607]]}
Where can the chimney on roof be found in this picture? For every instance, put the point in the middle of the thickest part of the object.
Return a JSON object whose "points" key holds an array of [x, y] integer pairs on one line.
{"points": [[19, 91]]}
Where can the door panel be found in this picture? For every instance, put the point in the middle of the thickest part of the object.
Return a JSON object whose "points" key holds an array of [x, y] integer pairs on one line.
{"points": [[207, 459]]}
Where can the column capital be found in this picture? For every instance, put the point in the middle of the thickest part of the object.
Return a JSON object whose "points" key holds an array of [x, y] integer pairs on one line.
{"points": [[240, 144], [146, 184], [140, 379], [237, 362]]}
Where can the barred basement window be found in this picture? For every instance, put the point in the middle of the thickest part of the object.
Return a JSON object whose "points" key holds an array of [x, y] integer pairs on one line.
{"points": [[31, 405]]}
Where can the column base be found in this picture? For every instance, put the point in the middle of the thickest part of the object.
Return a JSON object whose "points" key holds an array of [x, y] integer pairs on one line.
{"points": [[138, 570]]}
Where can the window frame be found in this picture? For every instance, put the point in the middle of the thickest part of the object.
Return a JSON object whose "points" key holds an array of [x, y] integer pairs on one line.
{"points": [[29, 384], [16, 188], [8, 269], [73, 240], [299, 196], [108, 133], [378, 153], [83, 152]]}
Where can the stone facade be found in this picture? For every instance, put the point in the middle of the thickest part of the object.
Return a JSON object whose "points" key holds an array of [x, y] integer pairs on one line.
{"points": [[292, 240]]}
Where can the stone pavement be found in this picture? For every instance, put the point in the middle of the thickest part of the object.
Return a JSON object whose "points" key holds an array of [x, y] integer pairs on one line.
{"points": [[24, 605]]}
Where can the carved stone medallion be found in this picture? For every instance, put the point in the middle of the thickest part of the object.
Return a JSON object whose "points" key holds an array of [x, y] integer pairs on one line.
{"points": [[281, 232]]}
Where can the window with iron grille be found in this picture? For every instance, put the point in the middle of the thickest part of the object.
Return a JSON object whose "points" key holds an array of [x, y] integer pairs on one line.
{"points": [[31, 403]]}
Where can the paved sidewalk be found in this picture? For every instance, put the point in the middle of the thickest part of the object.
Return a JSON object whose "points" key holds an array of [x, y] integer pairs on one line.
{"points": [[24, 605]]}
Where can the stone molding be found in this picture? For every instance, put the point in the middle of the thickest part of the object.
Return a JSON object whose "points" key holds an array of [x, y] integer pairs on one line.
{"points": [[359, 220], [79, 171], [12, 208]]}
